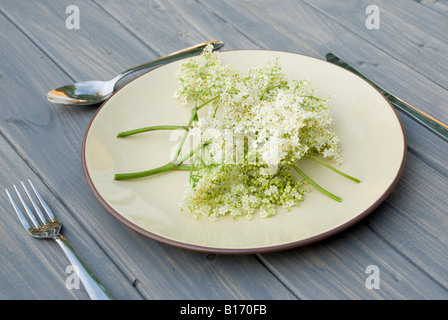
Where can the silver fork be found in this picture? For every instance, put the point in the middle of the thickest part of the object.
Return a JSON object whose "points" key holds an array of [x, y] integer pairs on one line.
{"points": [[47, 226]]}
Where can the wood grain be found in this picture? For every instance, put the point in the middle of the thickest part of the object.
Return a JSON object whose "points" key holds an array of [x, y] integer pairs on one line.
{"points": [[36, 269], [403, 34], [405, 237], [49, 138]]}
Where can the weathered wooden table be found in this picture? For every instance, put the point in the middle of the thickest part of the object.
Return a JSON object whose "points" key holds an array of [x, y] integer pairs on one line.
{"points": [[403, 48]]}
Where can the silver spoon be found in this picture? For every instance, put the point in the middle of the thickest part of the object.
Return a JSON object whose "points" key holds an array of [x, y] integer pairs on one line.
{"points": [[93, 92]]}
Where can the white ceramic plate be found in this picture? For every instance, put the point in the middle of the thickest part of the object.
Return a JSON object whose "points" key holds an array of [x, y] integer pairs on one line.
{"points": [[372, 141]]}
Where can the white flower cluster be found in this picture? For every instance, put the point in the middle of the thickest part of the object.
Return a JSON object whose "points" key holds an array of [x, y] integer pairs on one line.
{"points": [[258, 123]]}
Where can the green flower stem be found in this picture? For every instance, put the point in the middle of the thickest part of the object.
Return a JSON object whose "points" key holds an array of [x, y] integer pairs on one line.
{"points": [[186, 168], [207, 102], [194, 113], [314, 184], [271, 88], [141, 174], [191, 153], [332, 168], [146, 173], [153, 128], [168, 167]]}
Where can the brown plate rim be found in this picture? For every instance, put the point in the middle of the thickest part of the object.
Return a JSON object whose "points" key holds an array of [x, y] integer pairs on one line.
{"points": [[264, 249]]}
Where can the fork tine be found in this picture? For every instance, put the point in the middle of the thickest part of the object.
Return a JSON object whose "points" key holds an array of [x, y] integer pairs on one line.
{"points": [[27, 209], [35, 206], [42, 202], [51, 230], [19, 212]]}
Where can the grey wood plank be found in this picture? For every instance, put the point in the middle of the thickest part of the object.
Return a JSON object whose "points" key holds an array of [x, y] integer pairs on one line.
{"points": [[278, 26], [418, 228], [237, 16], [439, 6], [296, 20], [404, 32], [37, 269], [292, 17], [72, 49], [293, 26], [94, 51], [336, 268], [184, 23], [339, 270], [49, 138], [285, 39]]}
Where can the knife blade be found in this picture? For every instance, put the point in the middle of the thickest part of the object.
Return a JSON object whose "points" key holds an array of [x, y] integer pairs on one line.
{"points": [[435, 126]]}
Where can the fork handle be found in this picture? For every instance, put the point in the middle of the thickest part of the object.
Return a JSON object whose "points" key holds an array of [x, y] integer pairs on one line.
{"points": [[93, 287]]}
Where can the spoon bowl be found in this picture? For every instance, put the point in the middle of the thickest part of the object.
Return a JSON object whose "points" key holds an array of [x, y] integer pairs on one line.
{"points": [[95, 91], [83, 93]]}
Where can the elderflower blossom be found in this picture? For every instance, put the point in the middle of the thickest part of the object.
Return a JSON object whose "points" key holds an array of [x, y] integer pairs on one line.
{"points": [[257, 124]]}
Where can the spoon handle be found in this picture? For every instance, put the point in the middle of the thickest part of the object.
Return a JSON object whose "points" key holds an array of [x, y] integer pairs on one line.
{"points": [[187, 52]]}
